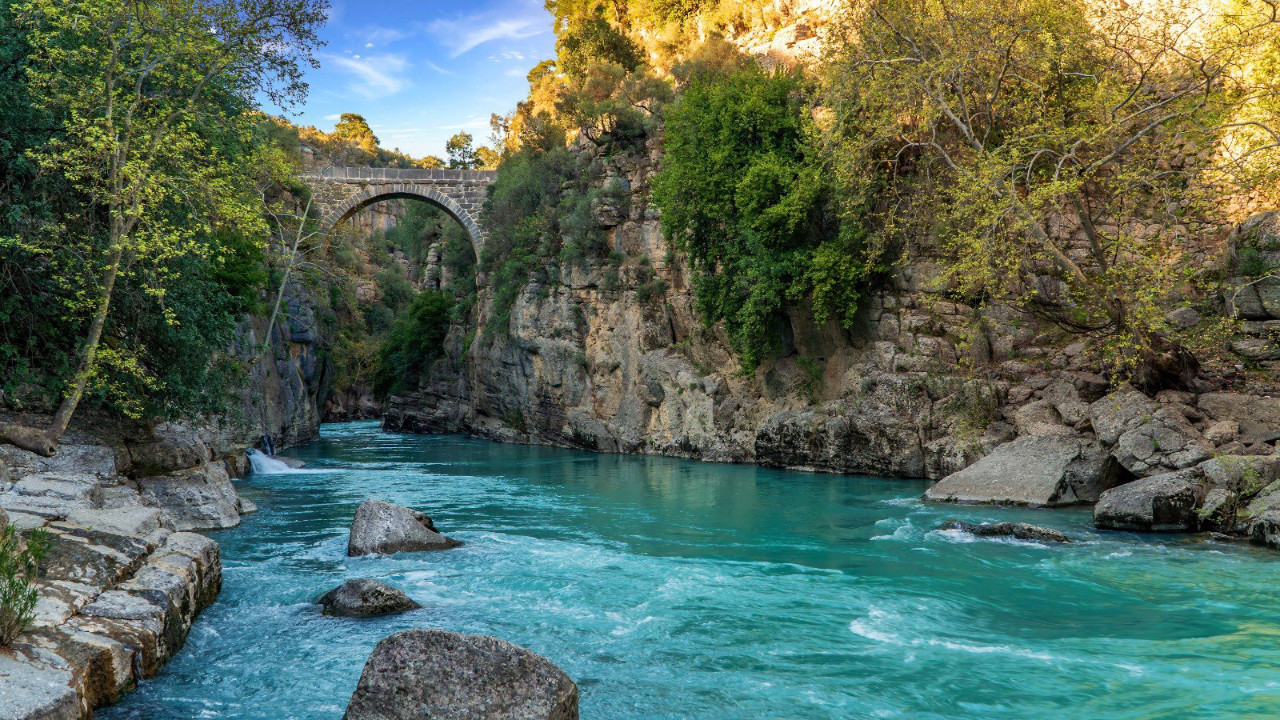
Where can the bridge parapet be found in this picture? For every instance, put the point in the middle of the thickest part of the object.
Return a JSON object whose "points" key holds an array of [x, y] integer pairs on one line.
{"points": [[358, 174]]}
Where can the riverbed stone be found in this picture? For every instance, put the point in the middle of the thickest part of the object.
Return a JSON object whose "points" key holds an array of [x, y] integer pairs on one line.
{"points": [[381, 527], [1159, 503], [1038, 471], [200, 498], [52, 494], [423, 673], [139, 521], [160, 458], [362, 596], [36, 686], [1017, 530]]}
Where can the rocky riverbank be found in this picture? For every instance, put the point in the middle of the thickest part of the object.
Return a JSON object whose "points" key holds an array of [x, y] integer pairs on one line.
{"points": [[122, 580], [125, 576]]}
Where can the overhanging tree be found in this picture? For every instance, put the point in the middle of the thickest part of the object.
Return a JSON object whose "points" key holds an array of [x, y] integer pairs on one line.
{"points": [[139, 85], [1070, 148]]}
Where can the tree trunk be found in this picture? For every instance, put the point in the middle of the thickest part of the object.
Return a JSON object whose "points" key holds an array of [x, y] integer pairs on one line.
{"points": [[45, 442]]}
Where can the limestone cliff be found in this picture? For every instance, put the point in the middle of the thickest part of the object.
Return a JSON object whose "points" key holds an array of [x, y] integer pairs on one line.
{"points": [[615, 358]]}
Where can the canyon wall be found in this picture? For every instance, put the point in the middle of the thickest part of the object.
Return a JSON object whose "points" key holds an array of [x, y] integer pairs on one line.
{"points": [[615, 358]]}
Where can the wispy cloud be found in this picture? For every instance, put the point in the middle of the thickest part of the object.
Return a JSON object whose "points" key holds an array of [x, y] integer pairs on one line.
{"points": [[436, 67], [376, 35], [467, 33], [375, 76], [508, 55], [474, 123]]}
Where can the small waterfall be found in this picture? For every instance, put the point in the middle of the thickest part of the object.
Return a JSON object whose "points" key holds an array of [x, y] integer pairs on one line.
{"points": [[264, 464]]}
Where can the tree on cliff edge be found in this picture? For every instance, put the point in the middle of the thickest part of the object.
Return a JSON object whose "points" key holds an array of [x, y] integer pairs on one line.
{"points": [[1069, 150], [143, 91]]}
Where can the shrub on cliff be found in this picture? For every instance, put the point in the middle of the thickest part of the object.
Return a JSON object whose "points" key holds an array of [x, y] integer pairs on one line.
{"points": [[743, 191], [18, 564]]}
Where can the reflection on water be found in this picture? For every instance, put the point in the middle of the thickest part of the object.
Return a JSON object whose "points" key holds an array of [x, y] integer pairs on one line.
{"points": [[676, 589]]}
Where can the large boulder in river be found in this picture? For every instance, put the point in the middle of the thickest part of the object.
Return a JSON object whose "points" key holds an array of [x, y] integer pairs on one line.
{"points": [[1167, 502], [363, 597], [383, 527], [1039, 471], [443, 675]]}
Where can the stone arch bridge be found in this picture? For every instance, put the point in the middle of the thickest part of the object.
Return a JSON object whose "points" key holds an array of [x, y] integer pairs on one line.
{"points": [[340, 192]]}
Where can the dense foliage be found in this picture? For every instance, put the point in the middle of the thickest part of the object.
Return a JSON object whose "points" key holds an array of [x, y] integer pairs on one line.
{"points": [[525, 210], [1063, 149], [182, 216], [415, 341], [742, 191]]}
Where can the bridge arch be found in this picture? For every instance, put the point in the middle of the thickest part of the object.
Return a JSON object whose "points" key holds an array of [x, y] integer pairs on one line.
{"points": [[346, 208], [340, 192]]}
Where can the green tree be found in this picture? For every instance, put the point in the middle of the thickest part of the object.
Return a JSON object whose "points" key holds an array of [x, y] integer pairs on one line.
{"points": [[742, 191], [612, 104], [416, 339], [142, 90], [1060, 147], [487, 158], [461, 155], [590, 40], [354, 129]]}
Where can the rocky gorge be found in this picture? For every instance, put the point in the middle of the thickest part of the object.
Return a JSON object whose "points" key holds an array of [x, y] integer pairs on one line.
{"points": [[996, 405]]}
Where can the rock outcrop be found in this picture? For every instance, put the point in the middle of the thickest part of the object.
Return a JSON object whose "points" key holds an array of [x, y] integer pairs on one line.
{"points": [[1165, 502], [363, 597], [122, 580], [444, 675], [381, 528], [1034, 470], [195, 498], [1234, 494], [117, 596]]}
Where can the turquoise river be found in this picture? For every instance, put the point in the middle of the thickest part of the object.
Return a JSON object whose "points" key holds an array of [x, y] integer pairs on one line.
{"points": [[676, 589]]}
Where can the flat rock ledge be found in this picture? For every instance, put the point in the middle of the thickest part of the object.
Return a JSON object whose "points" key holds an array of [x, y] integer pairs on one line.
{"points": [[114, 606], [363, 597], [381, 527], [443, 675], [1016, 530], [123, 578]]}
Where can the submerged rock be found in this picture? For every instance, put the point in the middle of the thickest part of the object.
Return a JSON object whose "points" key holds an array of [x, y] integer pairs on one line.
{"points": [[1039, 471], [362, 597], [382, 527], [443, 675], [1021, 531]]}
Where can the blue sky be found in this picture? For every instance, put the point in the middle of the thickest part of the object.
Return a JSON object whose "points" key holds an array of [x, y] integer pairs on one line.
{"points": [[420, 71]]}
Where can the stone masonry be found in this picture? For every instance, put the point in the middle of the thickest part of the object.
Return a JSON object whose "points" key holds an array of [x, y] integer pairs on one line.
{"points": [[340, 192]]}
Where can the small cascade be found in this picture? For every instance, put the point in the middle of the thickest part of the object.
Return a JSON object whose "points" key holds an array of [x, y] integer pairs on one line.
{"points": [[264, 464]]}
